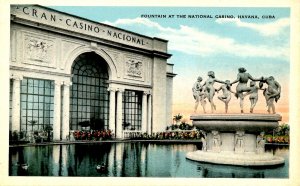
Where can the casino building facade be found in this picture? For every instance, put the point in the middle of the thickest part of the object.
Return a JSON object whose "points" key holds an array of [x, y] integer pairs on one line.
{"points": [[69, 72]]}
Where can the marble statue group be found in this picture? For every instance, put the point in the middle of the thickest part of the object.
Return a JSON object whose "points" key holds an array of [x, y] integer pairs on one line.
{"points": [[204, 91]]}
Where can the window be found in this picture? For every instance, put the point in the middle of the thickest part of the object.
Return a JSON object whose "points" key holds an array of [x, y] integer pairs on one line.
{"points": [[37, 97], [132, 110], [89, 95]]}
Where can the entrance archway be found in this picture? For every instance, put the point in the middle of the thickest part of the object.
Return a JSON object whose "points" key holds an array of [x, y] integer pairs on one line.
{"points": [[89, 98]]}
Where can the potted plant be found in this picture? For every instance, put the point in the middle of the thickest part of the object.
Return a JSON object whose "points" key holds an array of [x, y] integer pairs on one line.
{"points": [[177, 118], [32, 123]]}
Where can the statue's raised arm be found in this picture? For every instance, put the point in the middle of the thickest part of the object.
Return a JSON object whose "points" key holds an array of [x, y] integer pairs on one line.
{"points": [[254, 79], [219, 81], [237, 80]]}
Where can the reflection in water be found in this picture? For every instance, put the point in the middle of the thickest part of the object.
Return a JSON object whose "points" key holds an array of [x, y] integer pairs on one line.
{"points": [[221, 171], [227, 171], [130, 160]]}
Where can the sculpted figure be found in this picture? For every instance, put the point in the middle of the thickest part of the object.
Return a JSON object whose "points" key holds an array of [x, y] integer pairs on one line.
{"points": [[242, 79], [260, 143], [239, 141], [199, 94], [253, 92], [226, 94], [216, 141], [271, 93], [210, 90], [204, 145]]}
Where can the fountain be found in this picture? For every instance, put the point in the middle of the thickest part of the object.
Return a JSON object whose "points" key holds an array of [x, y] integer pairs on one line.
{"points": [[236, 139]]}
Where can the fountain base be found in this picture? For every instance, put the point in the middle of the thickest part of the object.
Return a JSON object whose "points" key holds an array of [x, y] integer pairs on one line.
{"points": [[231, 158], [235, 139]]}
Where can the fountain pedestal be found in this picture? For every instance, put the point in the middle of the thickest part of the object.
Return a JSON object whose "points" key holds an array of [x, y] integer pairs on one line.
{"points": [[235, 139]]}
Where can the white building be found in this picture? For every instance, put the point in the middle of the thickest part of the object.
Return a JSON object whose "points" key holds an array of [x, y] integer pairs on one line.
{"points": [[67, 72]]}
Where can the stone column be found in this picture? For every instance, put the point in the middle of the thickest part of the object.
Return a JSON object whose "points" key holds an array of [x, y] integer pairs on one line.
{"points": [[149, 124], [66, 110], [57, 110], [16, 115], [144, 112], [119, 128], [112, 110]]}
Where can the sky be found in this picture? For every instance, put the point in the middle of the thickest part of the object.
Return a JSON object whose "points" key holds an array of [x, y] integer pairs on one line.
{"points": [[198, 45]]}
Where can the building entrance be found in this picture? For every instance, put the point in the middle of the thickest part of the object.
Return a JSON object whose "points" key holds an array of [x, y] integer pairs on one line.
{"points": [[89, 103]]}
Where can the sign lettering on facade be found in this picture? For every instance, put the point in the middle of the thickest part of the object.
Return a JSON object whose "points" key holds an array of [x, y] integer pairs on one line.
{"points": [[64, 21]]}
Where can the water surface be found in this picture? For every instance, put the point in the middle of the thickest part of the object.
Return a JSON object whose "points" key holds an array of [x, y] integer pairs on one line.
{"points": [[137, 159]]}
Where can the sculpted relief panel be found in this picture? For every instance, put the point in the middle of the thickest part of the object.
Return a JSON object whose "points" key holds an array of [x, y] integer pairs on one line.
{"points": [[38, 50], [134, 68]]}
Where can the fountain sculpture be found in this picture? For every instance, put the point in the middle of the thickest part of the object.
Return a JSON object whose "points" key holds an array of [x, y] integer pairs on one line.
{"points": [[236, 139]]}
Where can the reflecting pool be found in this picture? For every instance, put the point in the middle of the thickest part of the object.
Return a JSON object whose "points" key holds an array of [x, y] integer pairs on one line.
{"points": [[132, 159]]}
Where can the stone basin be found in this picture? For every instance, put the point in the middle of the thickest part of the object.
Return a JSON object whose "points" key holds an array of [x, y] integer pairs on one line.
{"points": [[251, 123], [235, 139]]}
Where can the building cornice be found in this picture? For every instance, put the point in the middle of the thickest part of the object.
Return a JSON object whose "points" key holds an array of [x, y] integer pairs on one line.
{"points": [[129, 84], [59, 22], [108, 43], [39, 71]]}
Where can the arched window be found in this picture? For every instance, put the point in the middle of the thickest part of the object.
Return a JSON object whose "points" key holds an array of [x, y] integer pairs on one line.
{"points": [[89, 95]]}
